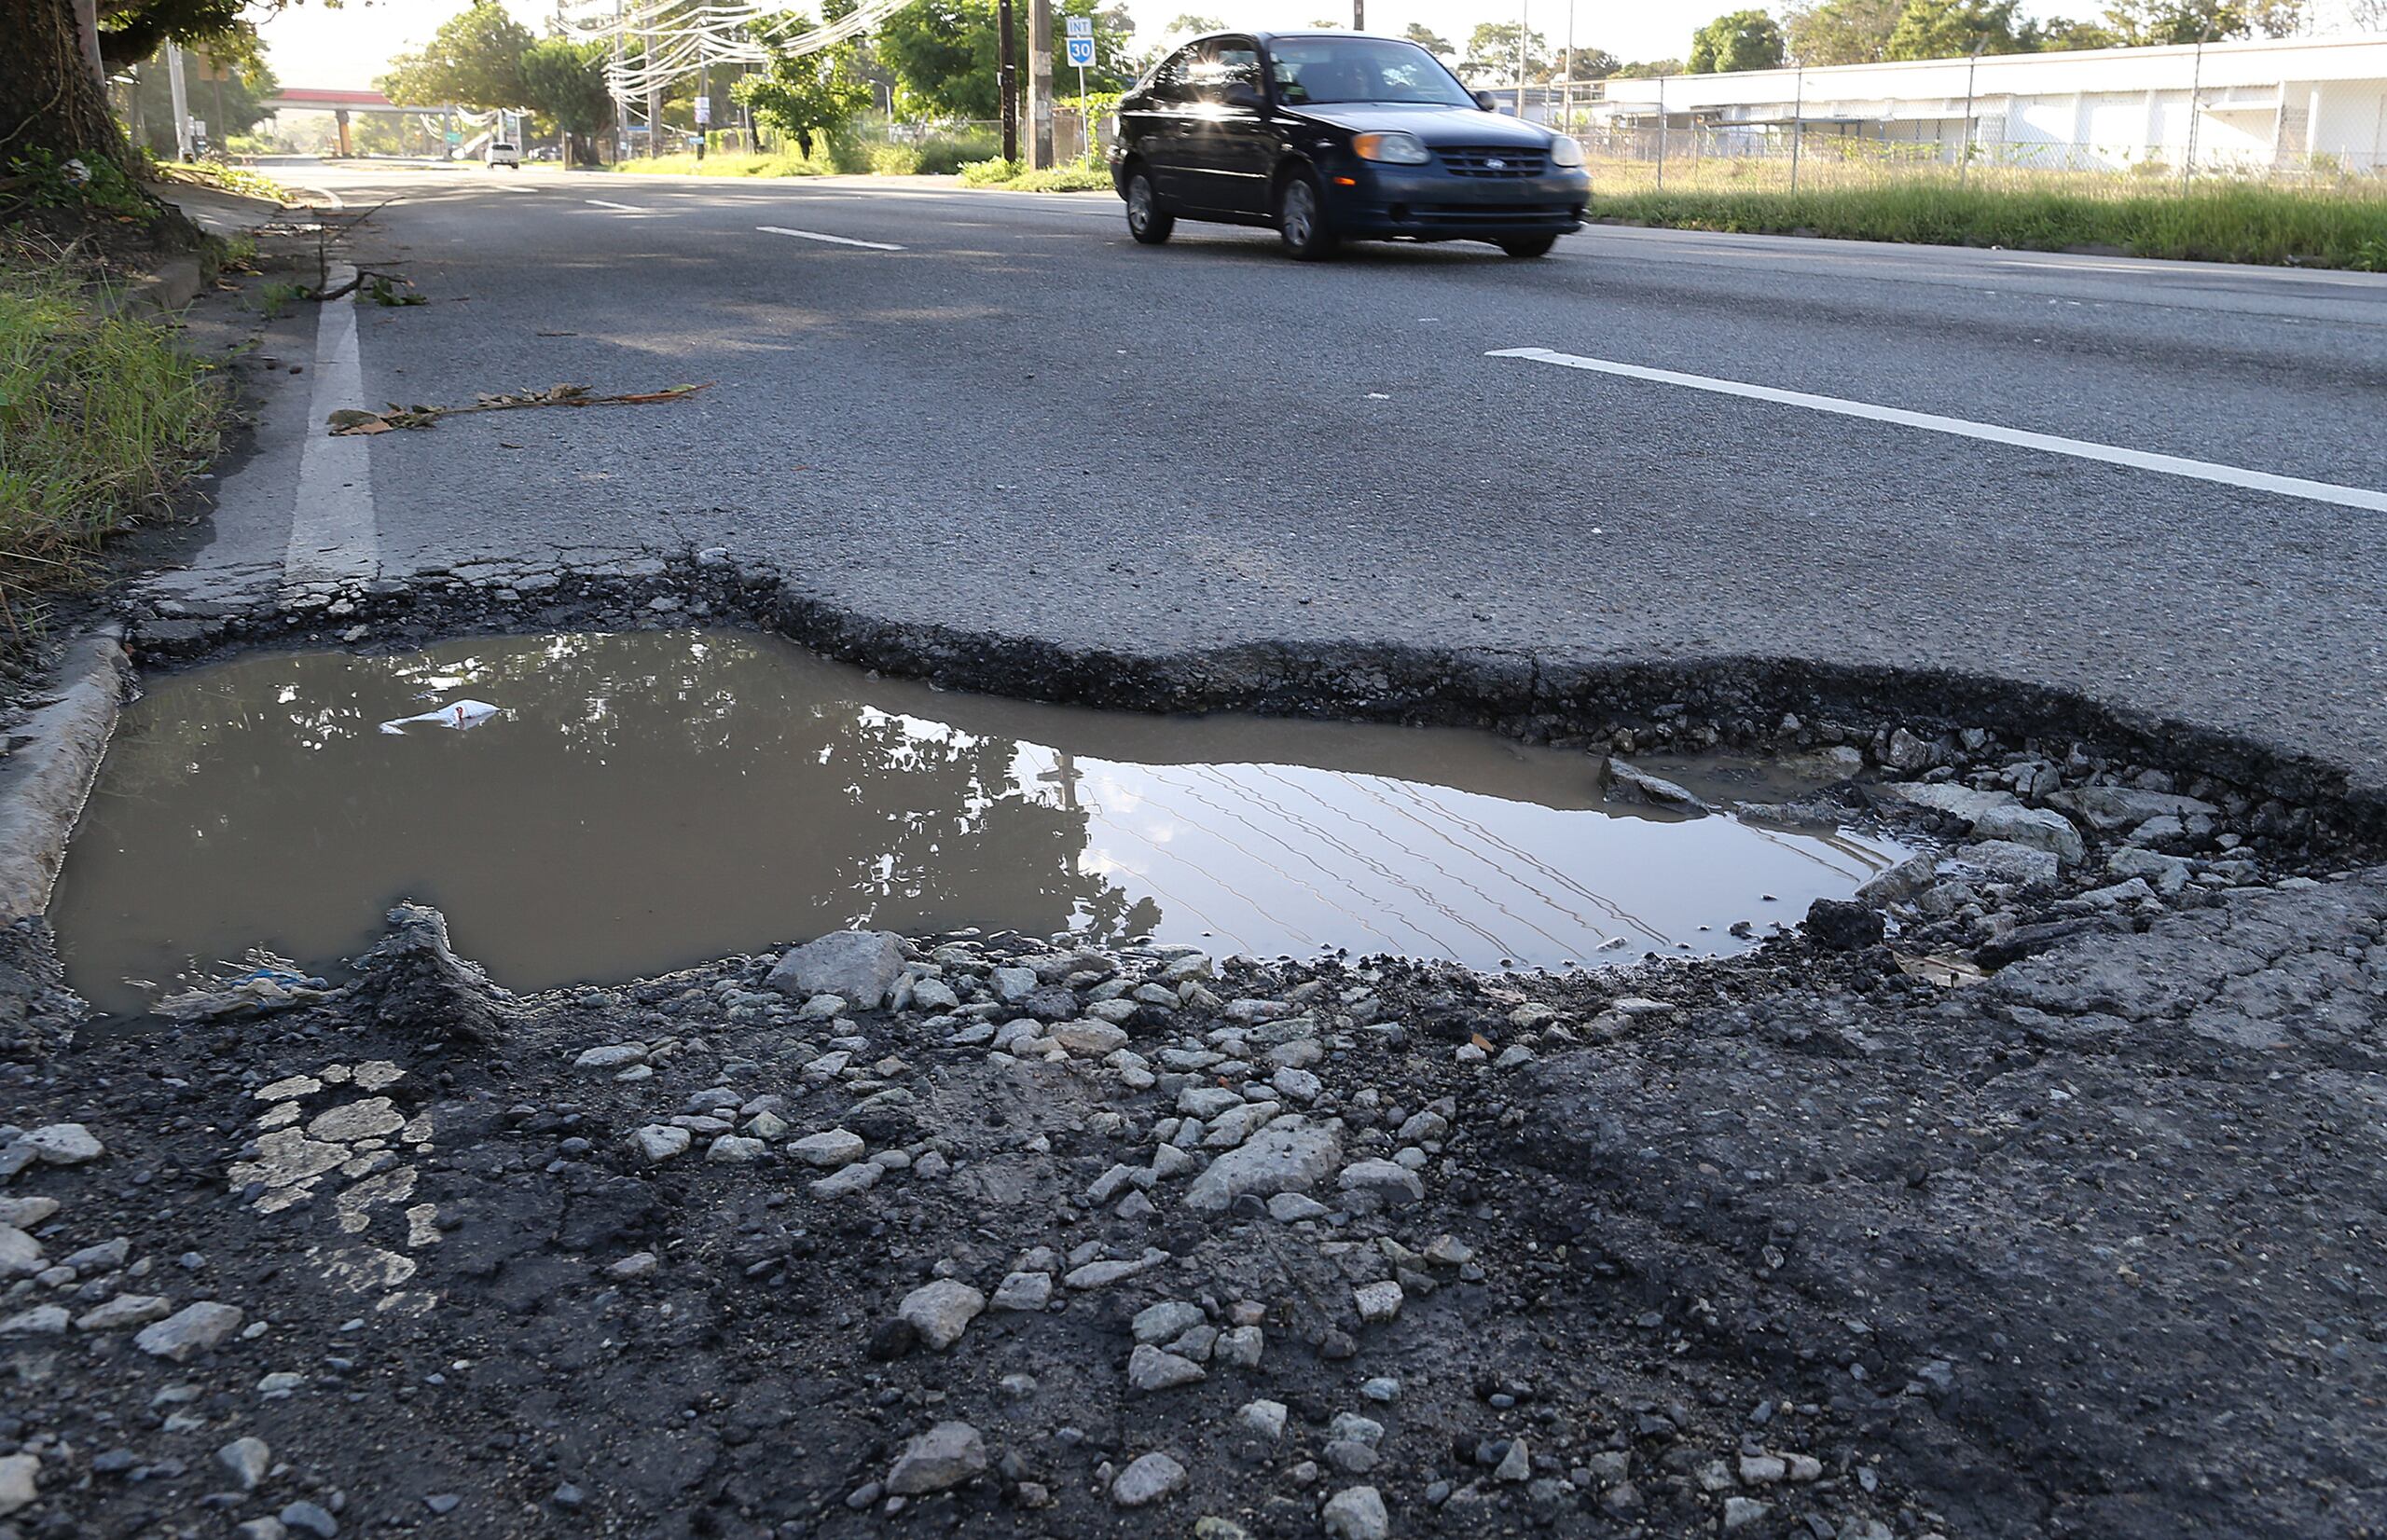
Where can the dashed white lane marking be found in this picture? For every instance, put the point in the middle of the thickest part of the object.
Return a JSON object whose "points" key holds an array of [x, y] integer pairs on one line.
{"points": [[333, 532], [831, 240], [626, 208], [2078, 449]]}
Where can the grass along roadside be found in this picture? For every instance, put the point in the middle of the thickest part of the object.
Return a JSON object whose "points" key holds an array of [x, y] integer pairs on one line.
{"points": [[940, 155], [1013, 176], [243, 180], [101, 418], [2223, 223]]}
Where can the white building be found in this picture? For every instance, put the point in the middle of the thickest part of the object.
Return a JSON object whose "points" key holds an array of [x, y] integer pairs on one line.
{"points": [[2291, 104]]}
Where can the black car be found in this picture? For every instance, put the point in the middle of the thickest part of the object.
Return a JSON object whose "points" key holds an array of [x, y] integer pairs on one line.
{"points": [[1332, 134]]}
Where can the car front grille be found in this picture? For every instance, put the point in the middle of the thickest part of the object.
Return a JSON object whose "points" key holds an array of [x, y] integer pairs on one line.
{"points": [[1492, 161], [1460, 214]]}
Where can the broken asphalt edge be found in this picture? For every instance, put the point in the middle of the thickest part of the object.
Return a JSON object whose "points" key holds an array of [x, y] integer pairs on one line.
{"points": [[1519, 693], [46, 781]]}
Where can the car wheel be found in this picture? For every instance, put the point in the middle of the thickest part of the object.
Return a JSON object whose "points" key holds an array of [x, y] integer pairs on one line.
{"points": [[1147, 221], [1301, 219], [1529, 245]]}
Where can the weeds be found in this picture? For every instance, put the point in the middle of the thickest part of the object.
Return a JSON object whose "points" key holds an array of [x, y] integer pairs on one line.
{"points": [[992, 172], [101, 418], [277, 296], [48, 181], [228, 178], [2222, 223], [1012, 176]]}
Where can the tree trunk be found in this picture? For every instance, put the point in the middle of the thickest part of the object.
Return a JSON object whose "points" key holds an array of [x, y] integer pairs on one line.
{"points": [[49, 98]]}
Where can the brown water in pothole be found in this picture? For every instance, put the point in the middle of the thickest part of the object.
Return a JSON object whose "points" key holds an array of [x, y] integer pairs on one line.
{"points": [[645, 799]]}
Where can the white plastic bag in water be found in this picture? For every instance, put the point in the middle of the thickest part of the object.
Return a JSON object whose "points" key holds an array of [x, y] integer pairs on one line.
{"points": [[456, 713]]}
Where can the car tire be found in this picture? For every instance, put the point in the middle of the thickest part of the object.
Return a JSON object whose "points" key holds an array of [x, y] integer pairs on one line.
{"points": [[1301, 217], [1525, 247], [1147, 220]]}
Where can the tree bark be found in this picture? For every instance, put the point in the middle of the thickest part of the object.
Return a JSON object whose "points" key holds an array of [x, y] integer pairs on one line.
{"points": [[49, 97]]}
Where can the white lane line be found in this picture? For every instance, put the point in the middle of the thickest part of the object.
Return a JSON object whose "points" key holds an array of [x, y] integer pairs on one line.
{"points": [[831, 240], [334, 535], [626, 208], [2078, 449]]}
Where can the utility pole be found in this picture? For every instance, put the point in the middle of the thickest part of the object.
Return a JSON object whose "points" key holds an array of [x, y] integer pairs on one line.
{"points": [[1006, 78], [180, 99], [1522, 6], [621, 99], [1662, 134], [1358, 15], [1567, 85], [87, 35], [1798, 126], [1039, 83], [215, 74], [1567, 82], [2196, 90], [654, 96], [1964, 154]]}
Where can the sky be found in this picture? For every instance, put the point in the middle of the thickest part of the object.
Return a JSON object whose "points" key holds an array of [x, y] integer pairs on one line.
{"points": [[345, 48]]}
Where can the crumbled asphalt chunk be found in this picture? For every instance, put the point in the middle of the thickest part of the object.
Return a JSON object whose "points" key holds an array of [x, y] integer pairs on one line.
{"points": [[1520, 1253], [1843, 927]]}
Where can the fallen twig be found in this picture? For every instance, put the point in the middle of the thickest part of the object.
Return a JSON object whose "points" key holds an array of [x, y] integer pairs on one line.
{"points": [[349, 421]]}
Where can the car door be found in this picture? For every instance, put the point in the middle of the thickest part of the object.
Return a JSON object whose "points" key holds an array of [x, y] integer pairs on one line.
{"points": [[1160, 129], [1238, 149]]}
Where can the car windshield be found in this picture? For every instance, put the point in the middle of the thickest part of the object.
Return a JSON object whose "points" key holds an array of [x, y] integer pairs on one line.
{"points": [[1315, 70]]}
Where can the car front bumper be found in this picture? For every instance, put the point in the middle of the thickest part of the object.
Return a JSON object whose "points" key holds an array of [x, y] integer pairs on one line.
{"points": [[1428, 203]]}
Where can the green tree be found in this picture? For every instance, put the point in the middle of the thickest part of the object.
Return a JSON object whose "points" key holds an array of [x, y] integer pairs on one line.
{"points": [[1587, 64], [1743, 40], [1192, 24], [1648, 69], [1842, 31], [1433, 42], [229, 103], [2058, 36], [807, 96], [943, 53], [1951, 29], [1492, 54], [475, 60], [2145, 24], [51, 98], [565, 82]]}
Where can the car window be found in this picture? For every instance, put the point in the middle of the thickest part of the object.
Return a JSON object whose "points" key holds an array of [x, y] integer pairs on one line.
{"points": [[1318, 70], [1228, 61], [1172, 80]]}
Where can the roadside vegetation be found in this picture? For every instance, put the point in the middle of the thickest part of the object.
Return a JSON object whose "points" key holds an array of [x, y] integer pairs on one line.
{"points": [[223, 177], [2223, 222], [939, 154], [101, 418], [1015, 176]]}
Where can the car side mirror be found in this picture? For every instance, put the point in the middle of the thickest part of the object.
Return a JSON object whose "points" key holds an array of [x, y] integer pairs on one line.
{"points": [[1243, 98], [1483, 99]]}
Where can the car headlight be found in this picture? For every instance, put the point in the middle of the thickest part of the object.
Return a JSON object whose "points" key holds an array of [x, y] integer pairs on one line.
{"points": [[1565, 151], [1399, 149]]}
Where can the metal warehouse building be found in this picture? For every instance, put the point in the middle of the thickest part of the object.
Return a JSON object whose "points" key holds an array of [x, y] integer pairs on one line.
{"points": [[2272, 105]]}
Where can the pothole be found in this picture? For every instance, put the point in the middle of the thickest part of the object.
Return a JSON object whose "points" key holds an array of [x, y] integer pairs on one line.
{"points": [[639, 800]]}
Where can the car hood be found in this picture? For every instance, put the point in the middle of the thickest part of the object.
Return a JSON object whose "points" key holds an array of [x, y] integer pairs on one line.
{"points": [[1433, 124]]}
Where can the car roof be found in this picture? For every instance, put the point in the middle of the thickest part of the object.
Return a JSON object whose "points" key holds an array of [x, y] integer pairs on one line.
{"points": [[1266, 37]]}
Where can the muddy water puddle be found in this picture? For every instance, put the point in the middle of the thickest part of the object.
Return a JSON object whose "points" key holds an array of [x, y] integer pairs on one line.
{"points": [[599, 806]]}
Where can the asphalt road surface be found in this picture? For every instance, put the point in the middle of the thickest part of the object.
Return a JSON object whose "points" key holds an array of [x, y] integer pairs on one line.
{"points": [[995, 410]]}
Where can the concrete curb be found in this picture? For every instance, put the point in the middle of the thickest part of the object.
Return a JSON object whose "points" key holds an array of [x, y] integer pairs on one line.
{"points": [[43, 785], [174, 285]]}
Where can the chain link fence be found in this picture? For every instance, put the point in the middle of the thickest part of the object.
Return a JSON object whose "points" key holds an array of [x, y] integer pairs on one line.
{"points": [[2175, 116]]}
